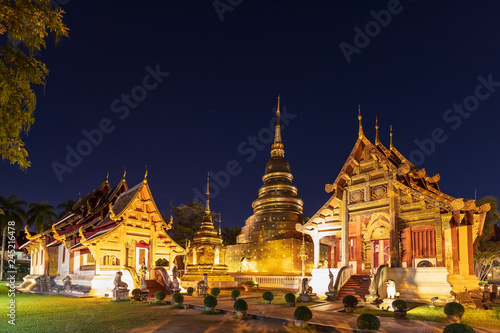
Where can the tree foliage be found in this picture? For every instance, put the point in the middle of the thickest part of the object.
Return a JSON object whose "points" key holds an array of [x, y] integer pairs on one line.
{"points": [[41, 215], [12, 210], [487, 251], [65, 207], [187, 221], [229, 235], [26, 24]]}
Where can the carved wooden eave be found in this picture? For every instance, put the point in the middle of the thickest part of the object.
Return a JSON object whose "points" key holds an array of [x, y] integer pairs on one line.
{"points": [[56, 235], [28, 235]]}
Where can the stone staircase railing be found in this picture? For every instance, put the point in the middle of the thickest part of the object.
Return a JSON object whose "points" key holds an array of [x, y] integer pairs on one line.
{"points": [[342, 277]]}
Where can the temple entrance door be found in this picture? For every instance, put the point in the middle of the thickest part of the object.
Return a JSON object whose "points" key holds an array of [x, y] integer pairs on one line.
{"points": [[380, 253], [141, 255]]}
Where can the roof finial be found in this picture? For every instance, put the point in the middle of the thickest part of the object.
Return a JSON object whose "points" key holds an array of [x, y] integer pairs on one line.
{"points": [[377, 139], [277, 147], [392, 145], [146, 174], [360, 131], [107, 175], [124, 172], [207, 208]]}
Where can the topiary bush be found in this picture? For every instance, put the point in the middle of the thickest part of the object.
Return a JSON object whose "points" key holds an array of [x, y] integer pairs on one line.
{"points": [[368, 321], [454, 309], [248, 283], [160, 295], [290, 298], [302, 313], [215, 292], [268, 296], [240, 305], [458, 328], [190, 290], [136, 292], [178, 298], [350, 301], [210, 301], [235, 293], [399, 305]]}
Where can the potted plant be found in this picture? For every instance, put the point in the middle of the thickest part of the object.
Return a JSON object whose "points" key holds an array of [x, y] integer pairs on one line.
{"points": [[268, 297], [210, 302], [160, 296], [458, 328], [137, 293], [215, 292], [368, 321], [400, 307], [241, 308], [290, 299], [178, 299], [190, 291], [302, 315], [350, 303], [248, 285], [235, 294], [454, 312]]}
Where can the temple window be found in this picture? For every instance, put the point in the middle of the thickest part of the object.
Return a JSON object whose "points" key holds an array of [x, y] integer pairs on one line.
{"points": [[88, 259]]}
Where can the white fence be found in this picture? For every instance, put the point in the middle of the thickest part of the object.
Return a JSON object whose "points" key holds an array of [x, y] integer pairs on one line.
{"points": [[278, 282]]}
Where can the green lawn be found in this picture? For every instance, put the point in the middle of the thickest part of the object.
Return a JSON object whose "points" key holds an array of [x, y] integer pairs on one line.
{"points": [[37, 313], [471, 317]]}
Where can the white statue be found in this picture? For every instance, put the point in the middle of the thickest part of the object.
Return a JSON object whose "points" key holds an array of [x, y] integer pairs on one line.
{"points": [[391, 288]]}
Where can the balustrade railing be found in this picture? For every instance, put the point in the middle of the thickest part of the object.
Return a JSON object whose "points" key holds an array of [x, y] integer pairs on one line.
{"points": [[279, 282]]}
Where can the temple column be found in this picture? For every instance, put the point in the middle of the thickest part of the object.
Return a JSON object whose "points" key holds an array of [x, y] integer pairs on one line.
{"points": [[455, 250], [315, 237], [345, 231], [394, 246]]}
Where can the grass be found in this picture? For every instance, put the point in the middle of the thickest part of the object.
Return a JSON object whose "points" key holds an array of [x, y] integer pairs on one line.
{"points": [[471, 317]]}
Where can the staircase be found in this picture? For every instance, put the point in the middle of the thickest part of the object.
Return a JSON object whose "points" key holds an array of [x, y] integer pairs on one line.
{"points": [[153, 287], [357, 286]]}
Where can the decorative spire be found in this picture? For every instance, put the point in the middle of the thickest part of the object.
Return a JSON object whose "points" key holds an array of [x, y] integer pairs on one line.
{"points": [[207, 208], [377, 140], [360, 130], [277, 147], [392, 145], [107, 176], [124, 172], [146, 174]]}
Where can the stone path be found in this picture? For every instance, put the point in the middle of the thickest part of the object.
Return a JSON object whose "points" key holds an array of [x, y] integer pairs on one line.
{"points": [[326, 317]]}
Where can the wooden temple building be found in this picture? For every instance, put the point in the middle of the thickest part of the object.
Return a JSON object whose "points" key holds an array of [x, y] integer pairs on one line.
{"points": [[385, 210], [110, 229], [207, 255], [269, 242]]}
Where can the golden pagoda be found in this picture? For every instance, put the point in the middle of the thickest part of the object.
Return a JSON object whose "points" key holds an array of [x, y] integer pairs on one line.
{"points": [[207, 255], [269, 241]]}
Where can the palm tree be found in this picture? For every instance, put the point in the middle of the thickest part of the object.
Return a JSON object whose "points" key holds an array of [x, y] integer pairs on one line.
{"points": [[66, 207], [41, 215], [12, 210], [229, 235]]}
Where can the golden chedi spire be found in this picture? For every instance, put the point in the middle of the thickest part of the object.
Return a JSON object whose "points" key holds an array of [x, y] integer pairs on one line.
{"points": [[392, 144], [207, 207], [360, 130], [377, 139], [207, 232], [277, 149]]}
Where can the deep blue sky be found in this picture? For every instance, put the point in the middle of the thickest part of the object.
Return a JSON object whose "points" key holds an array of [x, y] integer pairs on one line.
{"points": [[225, 77]]}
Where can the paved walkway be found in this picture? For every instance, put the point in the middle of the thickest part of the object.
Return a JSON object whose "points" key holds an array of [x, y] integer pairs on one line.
{"points": [[326, 316]]}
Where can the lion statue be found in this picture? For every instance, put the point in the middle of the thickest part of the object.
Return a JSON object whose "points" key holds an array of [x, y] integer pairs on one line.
{"points": [[391, 288]]}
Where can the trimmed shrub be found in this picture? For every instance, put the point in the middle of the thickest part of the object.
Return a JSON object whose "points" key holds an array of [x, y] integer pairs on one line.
{"points": [[368, 321], [290, 298], [210, 301], [215, 292], [458, 328], [161, 262], [235, 293], [240, 305], [190, 290], [248, 283], [136, 292], [302, 313], [178, 298], [160, 295], [268, 296], [399, 305], [454, 309], [350, 301]]}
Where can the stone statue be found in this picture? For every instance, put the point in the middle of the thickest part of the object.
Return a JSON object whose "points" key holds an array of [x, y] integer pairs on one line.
{"points": [[372, 290], [331, 294], [202, 286], [305, 292], [143, 272], [175, 280], [391, 288], [119, 284]]}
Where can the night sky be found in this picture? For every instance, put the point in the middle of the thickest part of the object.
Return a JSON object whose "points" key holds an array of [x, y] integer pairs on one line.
{"points": [[186, 88]]}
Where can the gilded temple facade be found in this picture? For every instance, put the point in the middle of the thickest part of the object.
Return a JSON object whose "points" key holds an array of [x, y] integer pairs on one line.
{"points": [[269, 242], [385, 210], [207, 255], [110, 229]]}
